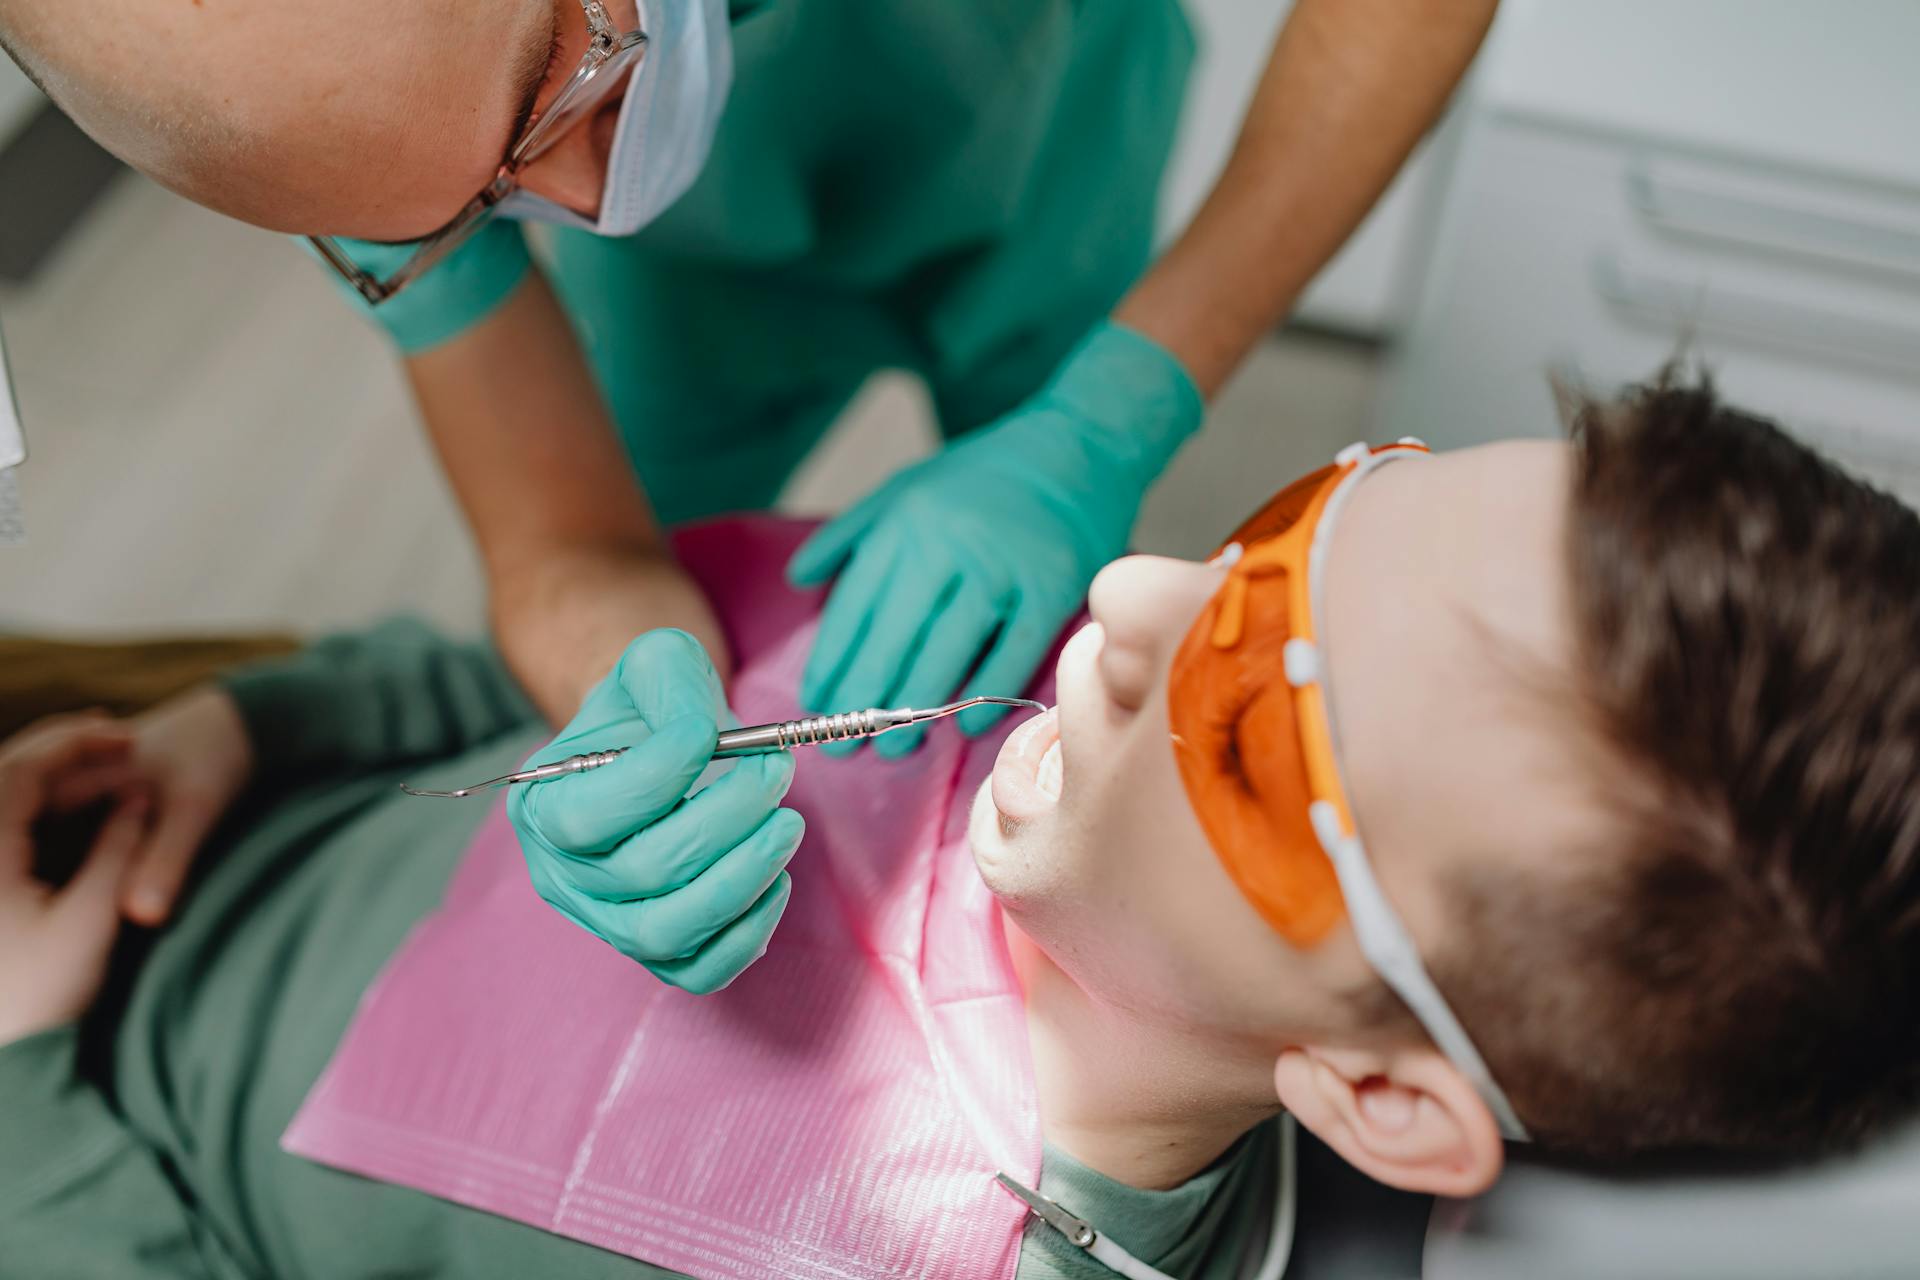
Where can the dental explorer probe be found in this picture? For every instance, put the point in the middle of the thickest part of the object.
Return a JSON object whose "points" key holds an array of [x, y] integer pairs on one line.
{"points": [[754, 740]]}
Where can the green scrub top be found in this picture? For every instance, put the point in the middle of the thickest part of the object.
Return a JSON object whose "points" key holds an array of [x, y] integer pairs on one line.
{"points": [[957, 190], [147, 1145]]}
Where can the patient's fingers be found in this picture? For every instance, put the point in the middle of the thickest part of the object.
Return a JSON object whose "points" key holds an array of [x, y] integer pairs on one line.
{"points": [[590, 813], [88, 906], [679, 847], [33, 764], [152, 883], [112, 770]]}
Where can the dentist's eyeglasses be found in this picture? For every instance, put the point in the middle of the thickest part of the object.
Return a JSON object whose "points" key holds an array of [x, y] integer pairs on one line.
{"points": [[611, 55]]}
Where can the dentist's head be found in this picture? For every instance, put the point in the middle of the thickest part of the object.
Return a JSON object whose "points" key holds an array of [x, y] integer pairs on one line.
{"points": [[375, 119]]}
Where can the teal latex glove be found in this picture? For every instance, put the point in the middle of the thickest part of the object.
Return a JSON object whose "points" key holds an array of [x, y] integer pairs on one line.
{"points": [[689, 886], [975, 558]]}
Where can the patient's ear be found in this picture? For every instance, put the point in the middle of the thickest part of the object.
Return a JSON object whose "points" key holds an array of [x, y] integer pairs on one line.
{"points": [[1405, 1117]]}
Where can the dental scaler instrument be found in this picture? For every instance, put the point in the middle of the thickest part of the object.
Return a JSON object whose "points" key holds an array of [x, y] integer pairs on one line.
{"points": [[754, 740]]}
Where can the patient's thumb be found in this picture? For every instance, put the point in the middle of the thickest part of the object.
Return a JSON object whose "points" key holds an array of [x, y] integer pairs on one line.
{"points": [[149, 887]]}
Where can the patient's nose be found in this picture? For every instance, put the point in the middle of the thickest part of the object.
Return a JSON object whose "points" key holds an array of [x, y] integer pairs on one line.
{"points": [[1145, 604]]}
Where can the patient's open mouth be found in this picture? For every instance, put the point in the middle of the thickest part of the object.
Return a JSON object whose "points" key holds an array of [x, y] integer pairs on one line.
{"points": [[1027, 775]]}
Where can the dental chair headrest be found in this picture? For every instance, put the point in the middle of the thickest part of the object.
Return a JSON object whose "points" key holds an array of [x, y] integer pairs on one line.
{"points": [[1856, 1216]]}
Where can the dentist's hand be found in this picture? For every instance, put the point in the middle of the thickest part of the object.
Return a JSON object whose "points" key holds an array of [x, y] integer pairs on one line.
{"points": [[974, 559], [690, 887]]}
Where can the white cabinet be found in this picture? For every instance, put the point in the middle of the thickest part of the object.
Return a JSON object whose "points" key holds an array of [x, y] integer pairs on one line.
{"points": [[13, 442], [1737, 198]]}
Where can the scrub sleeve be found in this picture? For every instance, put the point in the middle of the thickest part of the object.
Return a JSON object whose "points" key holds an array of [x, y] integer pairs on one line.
{"points": [[142, 1169]]}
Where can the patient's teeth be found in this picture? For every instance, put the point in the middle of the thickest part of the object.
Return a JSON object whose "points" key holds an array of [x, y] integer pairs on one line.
{"points": [[1051, 773]]}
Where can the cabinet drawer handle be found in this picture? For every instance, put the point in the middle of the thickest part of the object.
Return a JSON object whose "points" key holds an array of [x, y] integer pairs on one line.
{"points": [[1683, 308], [1695, 208], [13, 441]]}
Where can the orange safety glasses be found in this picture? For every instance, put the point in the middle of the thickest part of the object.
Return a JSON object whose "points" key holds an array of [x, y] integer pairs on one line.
{"points": [[1255, 741], [1250, 722]]}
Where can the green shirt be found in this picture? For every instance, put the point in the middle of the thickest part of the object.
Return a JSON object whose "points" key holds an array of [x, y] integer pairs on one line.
{"points": [[164, 1160]]}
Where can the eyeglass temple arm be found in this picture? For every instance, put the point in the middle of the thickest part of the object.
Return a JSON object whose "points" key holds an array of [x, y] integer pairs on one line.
{"points": [[431, 252]]}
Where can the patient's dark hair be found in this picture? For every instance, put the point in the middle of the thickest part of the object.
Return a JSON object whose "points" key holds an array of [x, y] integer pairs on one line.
{"points": [[1748, 646]]}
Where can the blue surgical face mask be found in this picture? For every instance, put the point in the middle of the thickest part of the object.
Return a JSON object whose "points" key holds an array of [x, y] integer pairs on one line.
{"points": [[667, 123]]}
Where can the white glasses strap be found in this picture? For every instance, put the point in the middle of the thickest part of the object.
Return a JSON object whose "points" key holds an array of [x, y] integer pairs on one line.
{"points": [[1383, 938]]}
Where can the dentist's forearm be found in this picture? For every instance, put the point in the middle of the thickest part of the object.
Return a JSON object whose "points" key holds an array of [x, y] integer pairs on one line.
{"points": [[562, 621], [576, 564], [1351, 88]]}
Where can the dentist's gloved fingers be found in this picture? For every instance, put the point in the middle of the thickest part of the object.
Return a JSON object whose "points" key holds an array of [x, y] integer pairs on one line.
{"points": [[845, 622], [668, 676], [675, 925], [591, 812], [677, 849], [662, 676], [1016, 655], [733, 950], [953, 644], [822, 554], [898, 627]]}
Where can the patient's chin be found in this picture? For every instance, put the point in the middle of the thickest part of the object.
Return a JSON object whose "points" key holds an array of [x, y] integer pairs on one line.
{"points": [[994, 854], [1012, 858]]}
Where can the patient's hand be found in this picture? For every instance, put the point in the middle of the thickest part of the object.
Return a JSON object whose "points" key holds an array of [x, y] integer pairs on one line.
{"points": [[194, 756], [54, 943], [190, 755]]}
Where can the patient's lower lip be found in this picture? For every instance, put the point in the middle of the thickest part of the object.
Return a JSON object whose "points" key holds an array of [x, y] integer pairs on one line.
{"points": [[1015, 787]]}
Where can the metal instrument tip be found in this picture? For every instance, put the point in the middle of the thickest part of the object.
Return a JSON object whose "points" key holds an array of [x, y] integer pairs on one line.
{"points": [[954, 708], [994, 702], [437, 795]]}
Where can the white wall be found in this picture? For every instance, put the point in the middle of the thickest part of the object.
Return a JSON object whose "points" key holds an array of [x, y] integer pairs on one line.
{"points": [[1364, 289]]}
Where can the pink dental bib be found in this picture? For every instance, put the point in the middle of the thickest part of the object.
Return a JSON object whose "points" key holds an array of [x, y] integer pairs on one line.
{"points": [[838, 1112]]}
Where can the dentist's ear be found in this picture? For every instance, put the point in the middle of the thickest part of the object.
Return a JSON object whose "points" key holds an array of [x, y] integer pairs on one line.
{"points": [[1404, 1117]]}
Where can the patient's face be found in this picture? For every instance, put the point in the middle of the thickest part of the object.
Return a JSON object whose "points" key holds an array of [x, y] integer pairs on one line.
{"points": [[1444, 614]]}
